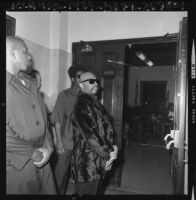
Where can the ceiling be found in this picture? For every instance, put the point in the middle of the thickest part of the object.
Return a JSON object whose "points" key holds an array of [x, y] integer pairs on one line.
{"points": [[161, 54]]}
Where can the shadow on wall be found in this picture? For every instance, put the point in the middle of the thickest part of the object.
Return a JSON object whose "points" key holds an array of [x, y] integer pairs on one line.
{"points": [[50, 101]]}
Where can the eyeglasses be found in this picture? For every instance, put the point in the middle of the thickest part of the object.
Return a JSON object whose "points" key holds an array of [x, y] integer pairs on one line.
{"points": [[91, 81]]}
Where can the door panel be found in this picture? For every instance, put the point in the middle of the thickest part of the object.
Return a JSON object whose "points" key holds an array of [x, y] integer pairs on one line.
{"points": [[113, 102], [10, 26], [109, 77], [107, 95], [180, 110]]}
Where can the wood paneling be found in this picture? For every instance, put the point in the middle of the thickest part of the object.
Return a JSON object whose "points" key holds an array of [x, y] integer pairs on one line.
{"points": [[10, 25]]}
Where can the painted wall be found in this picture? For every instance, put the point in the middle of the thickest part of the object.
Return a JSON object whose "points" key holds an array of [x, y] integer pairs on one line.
{"points": [[91, 26], [46, 36], [49, 36], [48, 29], [33, 26]]}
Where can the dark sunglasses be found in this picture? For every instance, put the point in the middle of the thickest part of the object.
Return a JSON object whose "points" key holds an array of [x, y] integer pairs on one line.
{"points": [[91, 81]]}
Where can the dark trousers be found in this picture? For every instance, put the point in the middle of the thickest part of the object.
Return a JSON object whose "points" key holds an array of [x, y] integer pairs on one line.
{"points": [[62, 171], [89, 188]]}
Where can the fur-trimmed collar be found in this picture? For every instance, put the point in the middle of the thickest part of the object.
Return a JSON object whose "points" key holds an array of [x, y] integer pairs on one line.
{"points": [[82, 96]]}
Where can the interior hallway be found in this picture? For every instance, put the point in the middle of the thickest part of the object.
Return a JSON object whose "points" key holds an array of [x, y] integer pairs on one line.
{"points": [[146, 170]]}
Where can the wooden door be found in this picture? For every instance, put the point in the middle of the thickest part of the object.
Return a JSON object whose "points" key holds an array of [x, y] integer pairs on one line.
{"points": [[10, 25], [180, 110], [111, 82], [113, 77]]}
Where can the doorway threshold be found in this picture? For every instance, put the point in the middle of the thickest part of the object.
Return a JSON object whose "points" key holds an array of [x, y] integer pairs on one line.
{"points": [[121, 190], [152, 145]]}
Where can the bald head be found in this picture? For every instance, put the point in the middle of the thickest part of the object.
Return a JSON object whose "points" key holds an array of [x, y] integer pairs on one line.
{"points": [[14, 43], [17, 57], [88, 83]]}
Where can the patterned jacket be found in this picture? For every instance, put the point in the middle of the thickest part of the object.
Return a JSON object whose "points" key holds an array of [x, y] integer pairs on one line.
{"points": [[93, 142]]}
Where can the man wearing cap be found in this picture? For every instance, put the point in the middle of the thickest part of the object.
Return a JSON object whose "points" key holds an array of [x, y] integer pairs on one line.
{"points": [[94, 139], [28, 142], [63, 128]]}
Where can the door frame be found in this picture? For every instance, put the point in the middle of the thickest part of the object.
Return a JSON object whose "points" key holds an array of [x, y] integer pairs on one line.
{"points": [[180, 104], [11, 29], [181, 108]]}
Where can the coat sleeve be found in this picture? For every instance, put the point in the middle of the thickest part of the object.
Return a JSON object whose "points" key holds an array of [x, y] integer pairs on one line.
{"points": [[59, 110], [89, 129], [18, 152], [48, 142]]}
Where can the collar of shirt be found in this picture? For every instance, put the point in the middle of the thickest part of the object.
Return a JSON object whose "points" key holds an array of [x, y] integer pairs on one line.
{"points": [[22, 78], [75, 89], [25, 79]]}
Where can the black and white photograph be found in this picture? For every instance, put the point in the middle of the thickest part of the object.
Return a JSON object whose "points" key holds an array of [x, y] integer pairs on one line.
{"points": [[97, 103]]}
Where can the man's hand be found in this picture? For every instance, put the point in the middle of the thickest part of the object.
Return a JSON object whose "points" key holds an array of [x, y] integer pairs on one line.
{"points": [[41, 156], [114, 154], [59, 145], [108, 165], [116, 150], [60, 148]]}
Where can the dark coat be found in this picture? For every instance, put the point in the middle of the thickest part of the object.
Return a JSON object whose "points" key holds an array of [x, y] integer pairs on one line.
{"points": [[93, 144]]}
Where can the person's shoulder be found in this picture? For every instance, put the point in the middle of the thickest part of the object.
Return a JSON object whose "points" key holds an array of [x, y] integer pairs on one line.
{"points": [[68, 92], [64, 94], [72, 91]]}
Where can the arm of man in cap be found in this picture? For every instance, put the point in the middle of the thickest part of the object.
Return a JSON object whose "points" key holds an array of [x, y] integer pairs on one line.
{"points": [[42, 155], [59, 143], [57, 118]]}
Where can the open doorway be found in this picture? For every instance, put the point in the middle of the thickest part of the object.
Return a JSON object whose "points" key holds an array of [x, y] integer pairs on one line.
{"points": [[154, 81], [150, 86], [148, 102]]}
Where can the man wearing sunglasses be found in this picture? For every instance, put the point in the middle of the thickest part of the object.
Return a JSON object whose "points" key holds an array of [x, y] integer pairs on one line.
{"points": [[63, 128], [94, 139]]}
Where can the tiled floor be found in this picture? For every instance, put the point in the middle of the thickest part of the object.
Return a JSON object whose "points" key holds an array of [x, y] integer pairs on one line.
{"points": [[146, 170], [109, 191]]}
